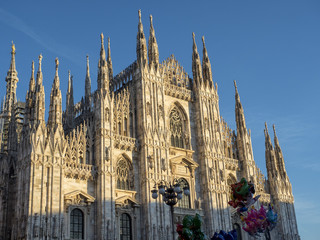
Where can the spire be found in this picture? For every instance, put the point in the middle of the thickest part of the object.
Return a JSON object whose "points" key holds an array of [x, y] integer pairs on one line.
{"points": [[12, 80], [29, 97], [196, 65], [103, 77], [153, 47], [271, 161], [110, 69], [141, 45], [267, 137], [206, 65], [279, 155], [87, 85], [39, 97], [240, 119], [69, 117], [102, 51], [70, 100], [32, 81], [55, 110], [56, 78], [276, 141], [13, 59]]}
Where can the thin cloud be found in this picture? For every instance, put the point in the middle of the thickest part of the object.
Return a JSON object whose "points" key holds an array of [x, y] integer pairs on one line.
{"points": [[16, 23]]}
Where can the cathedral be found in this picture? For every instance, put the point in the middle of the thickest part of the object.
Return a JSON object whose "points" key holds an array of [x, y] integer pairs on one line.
{"points": [[87, 172]]}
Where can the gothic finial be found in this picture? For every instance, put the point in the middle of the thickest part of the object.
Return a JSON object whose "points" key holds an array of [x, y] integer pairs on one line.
{"points": [[193, 37], [204, 45], [275, 134], [87, 62], [109, 51], [102, 39], [102, 51], [32, 69], [151, 24], [139, 12], [266, 126], [57, 64], [40, 61], [235, 85]]}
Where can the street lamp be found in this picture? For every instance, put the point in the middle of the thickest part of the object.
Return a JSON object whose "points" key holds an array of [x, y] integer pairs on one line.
{"points": [[171, 193]]}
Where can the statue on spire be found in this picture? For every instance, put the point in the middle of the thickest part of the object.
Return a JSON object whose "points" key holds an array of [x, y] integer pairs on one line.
{"points": [[13, 48]]}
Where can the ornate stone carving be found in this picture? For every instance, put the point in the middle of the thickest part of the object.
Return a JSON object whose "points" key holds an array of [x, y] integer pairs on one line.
{"points": [[78, 198]]}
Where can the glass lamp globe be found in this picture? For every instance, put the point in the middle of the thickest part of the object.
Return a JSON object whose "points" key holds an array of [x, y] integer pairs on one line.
{"points": [[179, 196], [154, 193], [177, 188], [161, 189], [186, 191], [164, 198]]}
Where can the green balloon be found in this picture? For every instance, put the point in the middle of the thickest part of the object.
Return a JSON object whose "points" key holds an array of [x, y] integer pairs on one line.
{"points": [[197, 222], [187, 221]]}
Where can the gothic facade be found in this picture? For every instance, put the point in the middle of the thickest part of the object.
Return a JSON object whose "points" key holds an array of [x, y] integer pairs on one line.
{"points": [[88, 172]]}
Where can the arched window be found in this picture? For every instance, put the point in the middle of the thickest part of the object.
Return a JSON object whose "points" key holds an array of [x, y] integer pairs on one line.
{"points": [[131, 124], [87, 157], [125, 128], [123, 175], [76, 224], [185, 201], [176, 128], [125, 227], [119, 128]]}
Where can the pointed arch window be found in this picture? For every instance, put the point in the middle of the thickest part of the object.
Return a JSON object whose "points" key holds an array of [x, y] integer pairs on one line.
{"points": [[125, 227], [124, 174], [176, 128], [76, 224], [185, 201]]}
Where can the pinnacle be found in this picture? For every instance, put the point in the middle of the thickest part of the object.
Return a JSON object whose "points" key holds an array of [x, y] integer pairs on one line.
{"points": [[40, 61], [139, 13]]}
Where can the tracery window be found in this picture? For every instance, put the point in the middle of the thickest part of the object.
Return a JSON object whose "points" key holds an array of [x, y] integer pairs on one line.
{"points": [[76, 224], [125, 227], [176, 128], [123, 175], [185, 201]]}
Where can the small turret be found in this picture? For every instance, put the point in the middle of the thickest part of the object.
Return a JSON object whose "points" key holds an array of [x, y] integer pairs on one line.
{"points": [[153, 51], [196, 65], [141, 45]]}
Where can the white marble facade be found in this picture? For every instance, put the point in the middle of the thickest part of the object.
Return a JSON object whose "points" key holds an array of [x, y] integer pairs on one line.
{"points": [[88, 172]]}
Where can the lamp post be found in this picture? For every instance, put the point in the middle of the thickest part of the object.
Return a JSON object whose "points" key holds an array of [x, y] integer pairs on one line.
{"points": [[171, 194]]}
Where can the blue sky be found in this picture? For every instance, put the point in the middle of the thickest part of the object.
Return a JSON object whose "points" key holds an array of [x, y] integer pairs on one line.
{"points": [[271, 48]]}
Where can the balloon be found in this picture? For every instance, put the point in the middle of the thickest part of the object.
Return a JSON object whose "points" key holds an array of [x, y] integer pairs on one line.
{"points": [[190, 229], [258, 221], [222, 235], [242, 195]]}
